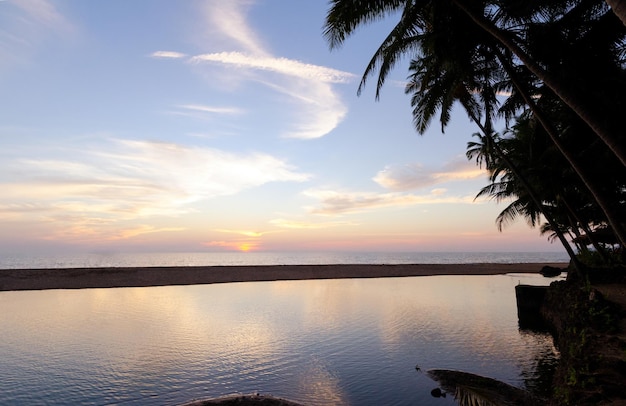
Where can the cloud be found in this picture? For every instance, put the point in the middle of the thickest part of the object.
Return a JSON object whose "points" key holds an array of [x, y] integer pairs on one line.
{"points": [[246, 233], [144, 229], [202, 173], [26, 26], [168, 55], [226, 22], [211, 109], [416, 176], [200, 111], [321, 110], [86, 230], [233, 245], [279, 65], [307, 225], [42, 12], [336, 203], [123, 181], [315, 106]]}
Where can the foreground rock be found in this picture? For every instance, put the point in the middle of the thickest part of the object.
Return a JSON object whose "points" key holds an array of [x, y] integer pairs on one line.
{"points": [[589, 325], [471, 389], [244, 400]]}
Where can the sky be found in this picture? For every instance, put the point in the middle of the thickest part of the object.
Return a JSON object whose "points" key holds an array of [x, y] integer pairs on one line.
{"points": [[155, 125]]}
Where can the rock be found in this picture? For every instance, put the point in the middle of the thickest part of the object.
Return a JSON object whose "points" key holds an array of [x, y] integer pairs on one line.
{"points": [[550, 271], [437, 393]]}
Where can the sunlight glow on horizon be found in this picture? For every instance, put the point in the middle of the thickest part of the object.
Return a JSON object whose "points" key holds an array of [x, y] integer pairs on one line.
{"points": [[213, 130]]}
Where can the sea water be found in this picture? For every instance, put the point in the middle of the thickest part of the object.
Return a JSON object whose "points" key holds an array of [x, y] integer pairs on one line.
{"points": [[112, 259], [318, 342]]}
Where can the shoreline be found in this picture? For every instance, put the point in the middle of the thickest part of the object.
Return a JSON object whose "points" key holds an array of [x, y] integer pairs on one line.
{"points": [[118, 277]]}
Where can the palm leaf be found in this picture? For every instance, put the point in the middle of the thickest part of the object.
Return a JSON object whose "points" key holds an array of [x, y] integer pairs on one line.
{"points": [[476, 390]]}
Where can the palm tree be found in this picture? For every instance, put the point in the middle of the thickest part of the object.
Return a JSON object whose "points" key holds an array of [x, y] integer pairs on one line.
{"points": [[345, 16], [614, 219], [585, 110], [423, 23], [562, 195], [508, 181], [440, 78]]}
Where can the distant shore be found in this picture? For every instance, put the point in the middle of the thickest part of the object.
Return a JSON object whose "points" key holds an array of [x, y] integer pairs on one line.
{"points": [[81, 278]]}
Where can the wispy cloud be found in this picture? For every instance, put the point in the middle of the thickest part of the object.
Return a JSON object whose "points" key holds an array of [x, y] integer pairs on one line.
{"points": [[233, 245], [416, 176], [320, 109], [279, 65], [168, 55], [400, 179], [246, 233], [86, 230], [41, 11], [310, 225], [315, 105], [26, 26], [143, 229], [226, 22], [124, 181], [212, 109], [200, 111], [249, 240], [336, 203]]}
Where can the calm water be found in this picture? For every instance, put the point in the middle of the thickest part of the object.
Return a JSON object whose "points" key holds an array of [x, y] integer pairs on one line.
{"points": [[92, 260], [324, 342]]}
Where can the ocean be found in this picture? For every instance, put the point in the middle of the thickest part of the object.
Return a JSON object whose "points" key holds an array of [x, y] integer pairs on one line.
{"points": [[112, 259]]}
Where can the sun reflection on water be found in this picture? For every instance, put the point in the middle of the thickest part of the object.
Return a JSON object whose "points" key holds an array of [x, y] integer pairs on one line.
{"points": [[318, 342]]}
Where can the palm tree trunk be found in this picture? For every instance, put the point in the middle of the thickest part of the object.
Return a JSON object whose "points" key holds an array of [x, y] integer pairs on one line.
{"points": [[563, 91], [582, 247], [612, 218], [619, 8], [533, 195], [585, 227], [531, 192]]}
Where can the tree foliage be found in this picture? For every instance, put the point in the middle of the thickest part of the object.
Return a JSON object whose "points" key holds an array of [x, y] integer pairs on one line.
{"points": [[554, 70]]}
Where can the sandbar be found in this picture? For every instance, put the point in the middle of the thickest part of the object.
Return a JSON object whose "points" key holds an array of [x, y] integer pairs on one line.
{"points": [[115, 277]]}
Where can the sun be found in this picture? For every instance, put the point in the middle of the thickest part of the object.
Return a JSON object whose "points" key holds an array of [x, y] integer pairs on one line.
{"points": [[246, 246]]}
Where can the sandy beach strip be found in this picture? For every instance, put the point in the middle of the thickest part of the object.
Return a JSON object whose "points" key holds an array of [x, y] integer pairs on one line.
{"points": [[80, 278]]}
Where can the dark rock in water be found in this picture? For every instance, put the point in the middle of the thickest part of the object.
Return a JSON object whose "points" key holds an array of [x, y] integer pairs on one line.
{"points": [[437, 393], [244, 400], [529, 300], [550, 271]]}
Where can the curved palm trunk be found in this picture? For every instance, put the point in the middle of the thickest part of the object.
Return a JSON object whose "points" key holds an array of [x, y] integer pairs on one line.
{"points": [[612, 218], [532, 193], [619, 8], [577, 235], [600, 250], [564, 92]]}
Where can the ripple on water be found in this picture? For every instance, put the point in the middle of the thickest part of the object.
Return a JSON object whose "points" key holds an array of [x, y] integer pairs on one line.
{"points": [[315, 342]]}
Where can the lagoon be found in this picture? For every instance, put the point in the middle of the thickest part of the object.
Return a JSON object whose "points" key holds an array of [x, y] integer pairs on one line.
{"points": [[318, 342]]}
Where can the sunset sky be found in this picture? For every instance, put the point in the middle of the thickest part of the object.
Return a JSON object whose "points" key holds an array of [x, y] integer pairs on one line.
{"points": [[153, 125]]}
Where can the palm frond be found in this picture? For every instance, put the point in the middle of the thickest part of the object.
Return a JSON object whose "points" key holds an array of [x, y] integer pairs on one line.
{"points": [[403, 39], [344, 16]]}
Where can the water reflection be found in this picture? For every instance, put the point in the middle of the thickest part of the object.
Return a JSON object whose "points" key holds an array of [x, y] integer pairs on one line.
{"points": [[317, 342], [538, 374]]}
